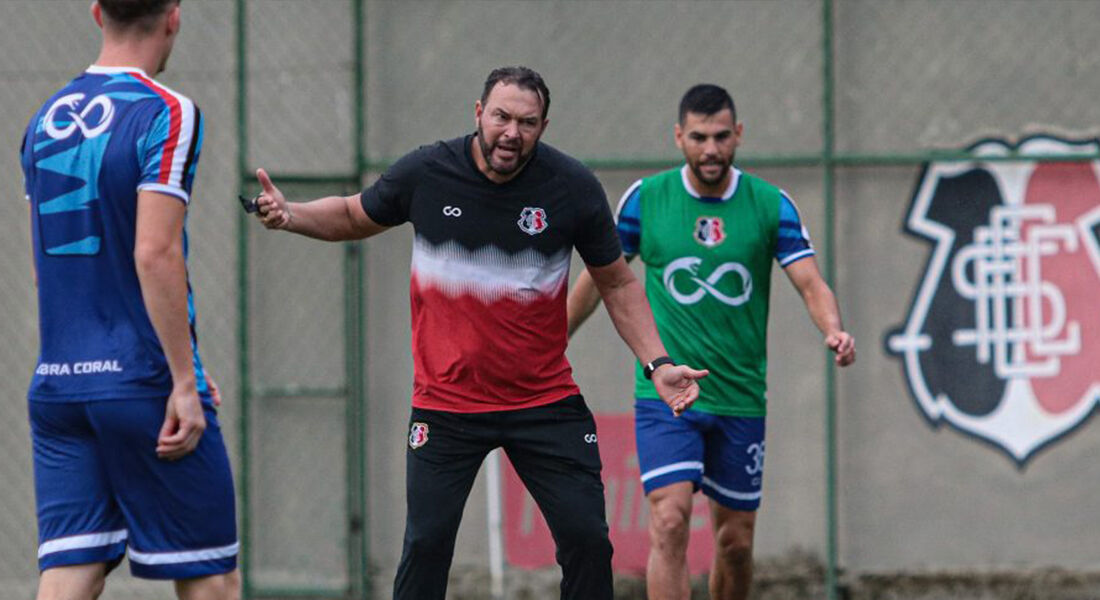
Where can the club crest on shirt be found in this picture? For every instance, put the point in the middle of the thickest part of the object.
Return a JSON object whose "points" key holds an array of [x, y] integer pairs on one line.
{"points": [[418, 435], [709, 231], [532, 220]]}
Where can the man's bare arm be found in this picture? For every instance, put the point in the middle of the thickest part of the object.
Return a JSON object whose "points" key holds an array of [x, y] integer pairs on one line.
{"points": [[583, 300], [162, 273], [332, 218], [626, 303], [823, 309]]}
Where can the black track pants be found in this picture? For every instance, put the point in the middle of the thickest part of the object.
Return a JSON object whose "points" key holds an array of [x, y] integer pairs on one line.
{"points": [[554, 451]]}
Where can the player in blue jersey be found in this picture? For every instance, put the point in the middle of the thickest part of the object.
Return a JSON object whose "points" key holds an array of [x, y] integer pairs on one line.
{"points": [[128, 455], [708, 234]]}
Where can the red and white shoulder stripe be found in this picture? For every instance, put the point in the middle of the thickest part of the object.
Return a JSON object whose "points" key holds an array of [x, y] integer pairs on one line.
{"points": [[183, 137]]}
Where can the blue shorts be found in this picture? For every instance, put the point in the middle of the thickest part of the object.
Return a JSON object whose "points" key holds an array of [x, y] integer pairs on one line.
{"points": [[101, 491], [722, 455]]}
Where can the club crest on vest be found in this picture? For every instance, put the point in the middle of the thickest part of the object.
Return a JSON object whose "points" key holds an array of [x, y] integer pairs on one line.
{"points": [[532, 220], [709, 231], [1002, 340]]}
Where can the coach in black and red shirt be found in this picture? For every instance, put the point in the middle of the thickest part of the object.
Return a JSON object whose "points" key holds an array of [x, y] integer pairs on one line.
{"points": [[496, 215]]}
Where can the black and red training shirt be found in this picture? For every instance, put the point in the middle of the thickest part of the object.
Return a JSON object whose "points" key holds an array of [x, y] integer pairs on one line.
{"points": [[490, 271]]}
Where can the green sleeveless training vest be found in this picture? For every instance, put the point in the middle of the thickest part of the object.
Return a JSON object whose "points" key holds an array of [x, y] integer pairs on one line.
{"points": [[708, 277]]}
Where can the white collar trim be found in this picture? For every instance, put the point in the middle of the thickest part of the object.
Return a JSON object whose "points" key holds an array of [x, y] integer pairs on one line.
{"points": [[731, 189], [100, 70]]}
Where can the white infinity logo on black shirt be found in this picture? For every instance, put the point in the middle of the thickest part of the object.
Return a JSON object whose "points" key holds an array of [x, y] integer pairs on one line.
{"points": [[452, 211]]}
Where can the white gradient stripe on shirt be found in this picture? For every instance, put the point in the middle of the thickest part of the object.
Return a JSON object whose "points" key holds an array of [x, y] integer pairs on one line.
{"points": [[489, 273]]}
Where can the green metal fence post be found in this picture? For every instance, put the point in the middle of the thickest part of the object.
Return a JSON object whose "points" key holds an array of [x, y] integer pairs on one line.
{"points": [[359, 395], [243, 363], [828, 148], [354, 416]]}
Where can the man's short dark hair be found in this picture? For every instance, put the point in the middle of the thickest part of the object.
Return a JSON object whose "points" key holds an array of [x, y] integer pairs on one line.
{"points": [[524, 78], [135, 13], [706, 99]]}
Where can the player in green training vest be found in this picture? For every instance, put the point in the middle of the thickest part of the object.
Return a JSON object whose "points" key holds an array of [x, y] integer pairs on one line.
{"points": [[708, 234]]}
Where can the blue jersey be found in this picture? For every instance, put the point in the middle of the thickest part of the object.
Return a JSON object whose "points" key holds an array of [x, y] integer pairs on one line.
{"points": [[86, 153]]}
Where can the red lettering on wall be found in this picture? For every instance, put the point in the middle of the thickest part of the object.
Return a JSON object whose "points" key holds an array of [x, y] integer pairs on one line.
{"points": [[527, 538]]}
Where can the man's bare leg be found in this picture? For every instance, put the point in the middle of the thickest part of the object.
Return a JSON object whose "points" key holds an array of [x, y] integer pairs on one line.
{"points": [[213, 587], [76, 582], [669, 528], [731, 574]]}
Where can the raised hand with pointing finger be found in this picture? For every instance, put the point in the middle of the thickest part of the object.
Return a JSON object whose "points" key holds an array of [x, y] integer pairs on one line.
{"points": [[332, 218], [273, 209]]}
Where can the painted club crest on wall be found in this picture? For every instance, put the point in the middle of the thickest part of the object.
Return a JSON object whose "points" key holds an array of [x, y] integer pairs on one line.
{"points": [[1002, 340]]}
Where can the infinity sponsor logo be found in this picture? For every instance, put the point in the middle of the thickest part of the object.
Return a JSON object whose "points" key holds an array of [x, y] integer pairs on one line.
{"points": [[105, 114], [687, 268]]}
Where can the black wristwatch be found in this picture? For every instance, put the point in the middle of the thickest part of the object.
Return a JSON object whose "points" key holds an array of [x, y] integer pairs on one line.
{"points": [[652, 365]]}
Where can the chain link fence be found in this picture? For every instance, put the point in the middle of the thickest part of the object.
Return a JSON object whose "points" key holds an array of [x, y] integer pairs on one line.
{"points": [[919, 76], [336, 89]]}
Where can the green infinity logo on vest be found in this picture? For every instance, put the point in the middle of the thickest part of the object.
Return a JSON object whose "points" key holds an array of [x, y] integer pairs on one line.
{"points": [[707, 286]]}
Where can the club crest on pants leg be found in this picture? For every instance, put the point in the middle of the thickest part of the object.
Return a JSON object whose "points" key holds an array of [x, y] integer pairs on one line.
{"points": [[418, 435]]}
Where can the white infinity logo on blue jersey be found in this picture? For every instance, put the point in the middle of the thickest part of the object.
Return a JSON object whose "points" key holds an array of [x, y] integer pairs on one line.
{"points": [[706, 286], [79, 121]]}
